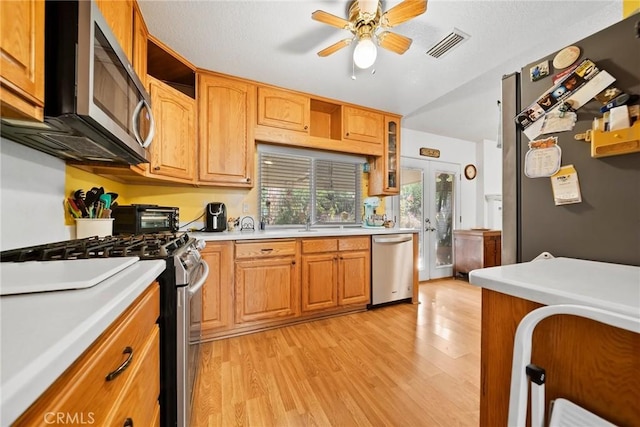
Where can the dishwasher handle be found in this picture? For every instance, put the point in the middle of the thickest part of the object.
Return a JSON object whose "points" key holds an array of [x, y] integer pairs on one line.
{"points": [[396, 239]]}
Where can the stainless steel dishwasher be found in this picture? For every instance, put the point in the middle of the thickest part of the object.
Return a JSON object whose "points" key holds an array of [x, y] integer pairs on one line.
{"points": [[392, 268]]}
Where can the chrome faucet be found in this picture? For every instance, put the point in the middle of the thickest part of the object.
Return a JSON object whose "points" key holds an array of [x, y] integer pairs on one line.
{"points": [[308, 224]]}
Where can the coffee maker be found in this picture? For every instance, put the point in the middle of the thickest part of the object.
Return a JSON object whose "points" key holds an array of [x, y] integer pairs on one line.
{"points": [[216, 217]]}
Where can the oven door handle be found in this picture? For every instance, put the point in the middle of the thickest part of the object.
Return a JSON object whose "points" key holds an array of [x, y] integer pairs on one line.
{"points": [[203, 278]]}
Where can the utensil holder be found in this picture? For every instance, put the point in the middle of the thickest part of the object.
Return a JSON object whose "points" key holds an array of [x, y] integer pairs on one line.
{"points": [[89, 227]]}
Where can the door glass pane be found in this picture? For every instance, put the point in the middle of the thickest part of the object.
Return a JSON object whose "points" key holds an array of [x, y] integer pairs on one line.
{"points": [[444, 198], [411, 188]]}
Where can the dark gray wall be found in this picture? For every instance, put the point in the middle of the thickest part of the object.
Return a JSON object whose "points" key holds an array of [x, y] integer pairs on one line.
{"points": [[606, 225]]}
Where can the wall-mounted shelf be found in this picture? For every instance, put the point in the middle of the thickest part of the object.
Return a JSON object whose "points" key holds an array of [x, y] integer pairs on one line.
{"points": [[617, 142]]}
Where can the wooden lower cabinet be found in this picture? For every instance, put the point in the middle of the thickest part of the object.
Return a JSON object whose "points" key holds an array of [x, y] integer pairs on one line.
{"points": [[217, 292], [354, 278], [86, 393], [474, 249], [259, 284], [589, 363], [319, 283], [335, 272], [267, 285]]}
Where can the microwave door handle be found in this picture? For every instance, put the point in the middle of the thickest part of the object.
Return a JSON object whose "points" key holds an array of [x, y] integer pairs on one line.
{"points": [[136, 123]]}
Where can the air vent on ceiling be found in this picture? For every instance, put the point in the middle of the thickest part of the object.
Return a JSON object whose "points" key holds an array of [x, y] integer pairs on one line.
{"points": [[449, 42]]}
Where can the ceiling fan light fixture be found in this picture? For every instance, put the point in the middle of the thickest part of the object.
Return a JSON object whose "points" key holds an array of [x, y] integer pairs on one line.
{"points": [[365, 53]]}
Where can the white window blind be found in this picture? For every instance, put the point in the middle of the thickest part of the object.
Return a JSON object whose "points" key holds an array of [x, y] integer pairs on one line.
{"points": [[300, 186]]}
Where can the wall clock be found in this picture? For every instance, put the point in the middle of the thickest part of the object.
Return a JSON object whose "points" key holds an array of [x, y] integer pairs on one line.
{"points": [[470, 172]]}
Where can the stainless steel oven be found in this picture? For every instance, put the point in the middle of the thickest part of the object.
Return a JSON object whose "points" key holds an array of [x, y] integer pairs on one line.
{"points": [[188, 332]]}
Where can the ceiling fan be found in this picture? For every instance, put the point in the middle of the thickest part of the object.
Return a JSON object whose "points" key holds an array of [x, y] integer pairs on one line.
{"points": [[365, 19]]}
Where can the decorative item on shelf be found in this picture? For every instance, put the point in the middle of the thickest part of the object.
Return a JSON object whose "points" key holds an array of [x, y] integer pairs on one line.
{"points": [[470, 171], [232, 223], [430, 152], [247, 224]]}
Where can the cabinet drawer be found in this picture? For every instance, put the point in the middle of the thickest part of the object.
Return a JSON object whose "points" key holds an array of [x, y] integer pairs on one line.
{"points": [[310, 246], [83, 388], [140, 398], [354, 243], [262, 249]]}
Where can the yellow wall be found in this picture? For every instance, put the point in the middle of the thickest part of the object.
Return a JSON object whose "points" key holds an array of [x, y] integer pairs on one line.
{"points": [[191, 201], [630, 6]]}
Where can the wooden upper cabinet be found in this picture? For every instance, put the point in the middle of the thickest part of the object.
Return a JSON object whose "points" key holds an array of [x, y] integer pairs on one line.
{"points": [[226, 121], [363, 125], [174, 145], [140, 36], [384, 177], [119, 16], [22, 59], [283, 109]]}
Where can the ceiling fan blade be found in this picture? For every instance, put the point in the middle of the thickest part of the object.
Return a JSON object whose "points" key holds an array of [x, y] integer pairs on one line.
{"points": [[394, 42], [402, 12], [329, 19], [335, 47]]}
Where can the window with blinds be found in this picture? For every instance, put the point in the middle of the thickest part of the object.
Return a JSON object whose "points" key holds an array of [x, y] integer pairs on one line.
{"points": [[296, 186]]}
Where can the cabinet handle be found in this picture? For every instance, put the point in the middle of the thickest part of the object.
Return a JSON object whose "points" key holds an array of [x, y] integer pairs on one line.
{"points": [[306, 127], [347, 133], [266, 250], [128, 423], [112, 375], [293, 263], [248, 180], [156, 168]]}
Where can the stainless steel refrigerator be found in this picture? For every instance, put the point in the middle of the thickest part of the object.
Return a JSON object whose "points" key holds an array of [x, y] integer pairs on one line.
{"points": [[605, 226]]}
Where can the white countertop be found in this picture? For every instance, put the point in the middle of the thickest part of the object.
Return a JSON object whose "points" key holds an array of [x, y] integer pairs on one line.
{"points": [[42, 334], [294, 233], [612, 287]]}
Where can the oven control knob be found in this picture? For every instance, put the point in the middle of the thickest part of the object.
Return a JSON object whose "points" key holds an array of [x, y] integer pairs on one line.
{"points": [[200, 244]]}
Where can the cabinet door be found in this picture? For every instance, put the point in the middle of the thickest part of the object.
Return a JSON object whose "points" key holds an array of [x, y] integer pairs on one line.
{"points": [[363, 125], [22, 59], [140, 35], [226, 122], [492, 251], [319, 283], [266, 289], [173, 147], [354, 278], [384, 177], [217, 292], [119, 16], [283, 109]]}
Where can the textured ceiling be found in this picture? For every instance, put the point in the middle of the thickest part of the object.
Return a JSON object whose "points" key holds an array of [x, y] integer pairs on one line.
{"points": [[276, 42]]}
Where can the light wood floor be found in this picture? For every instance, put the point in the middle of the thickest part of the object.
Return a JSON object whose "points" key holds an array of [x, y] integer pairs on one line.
{"points": [[401, 365]]}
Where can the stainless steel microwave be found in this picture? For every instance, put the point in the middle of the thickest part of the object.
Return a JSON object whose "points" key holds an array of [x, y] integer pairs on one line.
{"points": [[96, 107]]}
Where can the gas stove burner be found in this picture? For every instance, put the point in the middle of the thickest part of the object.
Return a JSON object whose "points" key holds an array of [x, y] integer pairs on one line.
{"points": [[144, 246]]}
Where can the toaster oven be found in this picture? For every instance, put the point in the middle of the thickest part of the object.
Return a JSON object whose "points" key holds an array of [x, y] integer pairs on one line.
{"points": [[140, 219]]}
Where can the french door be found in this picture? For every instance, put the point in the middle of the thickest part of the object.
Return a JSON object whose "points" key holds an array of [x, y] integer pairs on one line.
{"points": [[428, 201]]}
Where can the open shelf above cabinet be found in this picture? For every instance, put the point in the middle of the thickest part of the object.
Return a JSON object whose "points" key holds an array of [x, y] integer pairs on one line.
{"points": [[326, 120], [168, 66]]}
